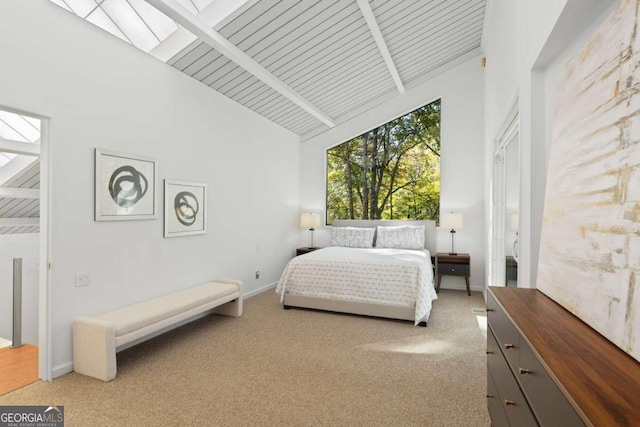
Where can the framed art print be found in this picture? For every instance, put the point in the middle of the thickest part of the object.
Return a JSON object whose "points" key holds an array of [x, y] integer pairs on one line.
{"points": [[125, 186], [185, 205]]}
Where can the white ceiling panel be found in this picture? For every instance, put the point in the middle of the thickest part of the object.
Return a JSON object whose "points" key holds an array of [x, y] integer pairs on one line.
{"points": [[26, 129], [130, 23], [99, 18], [82, 8], [160, 25], [322, 61], [190, 5], [20, 230]]}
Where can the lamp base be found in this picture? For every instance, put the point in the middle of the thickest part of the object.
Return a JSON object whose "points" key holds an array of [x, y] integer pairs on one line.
{"points": [[453, 253]]}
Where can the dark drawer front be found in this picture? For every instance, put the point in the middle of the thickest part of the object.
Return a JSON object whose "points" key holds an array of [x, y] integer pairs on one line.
{"points": [[506, 334], [548, 402], [512, 400], [453, 269], [494, 404]]}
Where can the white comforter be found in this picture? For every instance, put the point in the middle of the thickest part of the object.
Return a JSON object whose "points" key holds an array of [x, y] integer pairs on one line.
{"points": [[384, 276]]}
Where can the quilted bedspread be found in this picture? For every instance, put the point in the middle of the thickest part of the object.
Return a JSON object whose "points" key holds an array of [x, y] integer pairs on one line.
{"points": [[383, 276]]}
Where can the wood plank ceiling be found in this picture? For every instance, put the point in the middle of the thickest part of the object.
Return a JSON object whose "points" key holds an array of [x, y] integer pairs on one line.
{"points": [[17, 207], [19, 173], [324, 50], [324, 61]]}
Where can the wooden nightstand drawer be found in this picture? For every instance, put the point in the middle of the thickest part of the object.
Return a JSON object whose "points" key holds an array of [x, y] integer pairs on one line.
{"points": [[453, 269], [458, 265]]}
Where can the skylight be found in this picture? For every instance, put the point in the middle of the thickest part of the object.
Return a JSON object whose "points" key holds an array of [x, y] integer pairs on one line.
{"points": [[133, 21], [15, 127]]}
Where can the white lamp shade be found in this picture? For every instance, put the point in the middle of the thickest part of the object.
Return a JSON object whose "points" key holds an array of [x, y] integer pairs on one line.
{"points": [[452, 220], [309, 220], [514, 222]]}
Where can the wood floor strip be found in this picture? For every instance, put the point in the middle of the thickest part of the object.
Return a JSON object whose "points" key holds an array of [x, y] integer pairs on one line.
{"points": [[18, 367]]}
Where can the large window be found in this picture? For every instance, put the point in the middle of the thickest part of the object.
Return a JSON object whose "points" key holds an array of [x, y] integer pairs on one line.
{"points": [[391, 172]]}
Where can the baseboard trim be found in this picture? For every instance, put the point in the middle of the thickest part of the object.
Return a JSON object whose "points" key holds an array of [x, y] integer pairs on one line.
{"points": [[457, 287], [62, 369], [260, 290]]}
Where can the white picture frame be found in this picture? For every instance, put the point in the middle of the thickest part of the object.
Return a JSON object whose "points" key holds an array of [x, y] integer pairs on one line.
{"points": [[185, 208], [125, 186]]}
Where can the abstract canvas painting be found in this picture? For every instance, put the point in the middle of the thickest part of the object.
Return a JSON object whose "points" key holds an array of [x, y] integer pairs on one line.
{"points": [[184, 208], [125, 186], [590, 244]]}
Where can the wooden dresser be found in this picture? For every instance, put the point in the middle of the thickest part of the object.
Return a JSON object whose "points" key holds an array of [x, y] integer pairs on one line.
{"points": [[546, 367]]}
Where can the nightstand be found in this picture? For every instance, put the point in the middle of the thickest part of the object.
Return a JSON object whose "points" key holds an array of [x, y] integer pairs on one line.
{"points": [[302, 251], [453, 265]]}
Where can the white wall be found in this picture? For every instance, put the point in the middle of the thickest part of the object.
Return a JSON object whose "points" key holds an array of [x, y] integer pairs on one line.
{"points": [[520, 42], [25, 246], [100, 92], [462, 169]]}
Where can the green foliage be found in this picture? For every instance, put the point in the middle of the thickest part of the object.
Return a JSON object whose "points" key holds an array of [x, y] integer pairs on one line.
{"points": [[391, 172]]}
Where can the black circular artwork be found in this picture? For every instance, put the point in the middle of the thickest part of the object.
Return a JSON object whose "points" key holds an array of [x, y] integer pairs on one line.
{"points": [[186, 207], [127, 186]]}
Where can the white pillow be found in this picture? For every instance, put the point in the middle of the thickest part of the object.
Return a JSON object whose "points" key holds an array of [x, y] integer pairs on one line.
{"points": [[352, 237], [401, 237]]}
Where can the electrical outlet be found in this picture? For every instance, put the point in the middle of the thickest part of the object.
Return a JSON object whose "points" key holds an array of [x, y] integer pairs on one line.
{"points": [[83, 278], [257, 274]]}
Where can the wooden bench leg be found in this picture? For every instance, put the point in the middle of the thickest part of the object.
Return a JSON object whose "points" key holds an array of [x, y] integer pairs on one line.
{"points": [[468, 288]]}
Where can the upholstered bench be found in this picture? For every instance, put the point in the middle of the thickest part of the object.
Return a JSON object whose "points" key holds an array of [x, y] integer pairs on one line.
{"points": [[96, 339]]}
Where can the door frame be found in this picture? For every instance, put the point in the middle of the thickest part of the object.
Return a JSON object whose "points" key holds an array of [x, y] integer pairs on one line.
{"points": [[45, 371], [510, 128]]}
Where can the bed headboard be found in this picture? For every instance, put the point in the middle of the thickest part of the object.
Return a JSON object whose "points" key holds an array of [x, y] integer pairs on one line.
{"points": [[429, 228]]}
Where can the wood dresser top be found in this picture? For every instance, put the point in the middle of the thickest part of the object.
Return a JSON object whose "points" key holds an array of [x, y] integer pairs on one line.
{"points": [[601, 380]]}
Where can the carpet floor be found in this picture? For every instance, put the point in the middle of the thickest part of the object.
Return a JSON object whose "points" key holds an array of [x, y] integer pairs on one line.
{"points": [[275, 367]]}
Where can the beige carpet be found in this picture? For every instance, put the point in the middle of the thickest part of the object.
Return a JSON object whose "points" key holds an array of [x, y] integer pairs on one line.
{"points": [[276, 367]]}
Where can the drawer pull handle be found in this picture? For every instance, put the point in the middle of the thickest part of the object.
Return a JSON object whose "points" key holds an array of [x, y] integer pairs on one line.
{"points": [[524, 371], [509, 402], [489, 309], [507, 346], [489, 352], [489, 396]]}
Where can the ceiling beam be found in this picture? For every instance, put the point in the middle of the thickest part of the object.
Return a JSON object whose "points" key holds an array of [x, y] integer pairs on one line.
{"points": [[18, 222], [19, 147], [217, 14], [15, 167], [20, 193], [197, 26], [365, 8]]}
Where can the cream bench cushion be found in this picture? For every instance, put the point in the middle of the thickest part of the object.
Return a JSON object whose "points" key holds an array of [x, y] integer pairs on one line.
{"points": [[96, 339]]}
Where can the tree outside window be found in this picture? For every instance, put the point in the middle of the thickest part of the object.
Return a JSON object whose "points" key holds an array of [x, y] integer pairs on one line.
{"points": [[390, 172]]}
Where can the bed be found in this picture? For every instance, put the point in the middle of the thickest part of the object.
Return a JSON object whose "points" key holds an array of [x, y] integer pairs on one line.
{"points": [[393, 281]]}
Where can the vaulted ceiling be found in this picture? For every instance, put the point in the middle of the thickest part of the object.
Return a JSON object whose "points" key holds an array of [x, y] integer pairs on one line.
{"points": [[306, 65]]}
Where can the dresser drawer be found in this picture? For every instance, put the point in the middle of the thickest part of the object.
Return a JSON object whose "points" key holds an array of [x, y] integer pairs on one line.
{"points": [[494, 404], [512, 401], [550, 405], [506, 334], [453, 269]]}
